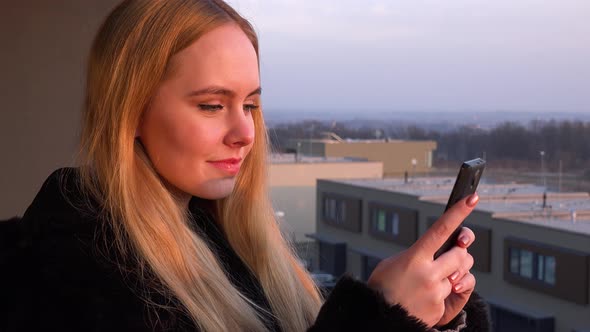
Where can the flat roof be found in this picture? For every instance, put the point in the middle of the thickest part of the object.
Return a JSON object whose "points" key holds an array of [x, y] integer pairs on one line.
{"points": [[357, 140], [290, 158], [512, 201]]}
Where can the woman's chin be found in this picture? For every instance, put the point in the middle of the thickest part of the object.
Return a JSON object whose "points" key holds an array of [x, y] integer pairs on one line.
{"points": [[216, 189]]}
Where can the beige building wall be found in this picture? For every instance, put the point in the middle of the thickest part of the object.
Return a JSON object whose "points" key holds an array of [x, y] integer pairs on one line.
{"points": [[397, 156], [316, 148], [306, 174], [44, 50], [293, 189]]}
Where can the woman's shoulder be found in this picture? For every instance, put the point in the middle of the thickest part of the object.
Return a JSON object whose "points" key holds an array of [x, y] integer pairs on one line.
{"points": [[56, 193], [59, 229], [60, 205], [65, 272], [71, 278]]}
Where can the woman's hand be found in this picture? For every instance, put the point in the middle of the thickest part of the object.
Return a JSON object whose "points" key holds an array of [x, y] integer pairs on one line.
{"points": [[434, 291]]}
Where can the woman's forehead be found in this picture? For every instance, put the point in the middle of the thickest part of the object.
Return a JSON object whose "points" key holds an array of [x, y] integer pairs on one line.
{"points": [[224, 55]]}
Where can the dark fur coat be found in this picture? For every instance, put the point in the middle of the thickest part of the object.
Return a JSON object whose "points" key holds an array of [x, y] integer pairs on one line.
{"points": [[55, 279]]}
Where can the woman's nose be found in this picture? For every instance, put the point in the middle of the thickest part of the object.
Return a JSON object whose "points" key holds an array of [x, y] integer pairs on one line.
{"points": [[240, 128]]}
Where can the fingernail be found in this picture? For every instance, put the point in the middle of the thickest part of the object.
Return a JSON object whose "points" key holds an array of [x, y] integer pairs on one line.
{"points": [[472, 200], [454, 276], [464, 240], [457, 288]]}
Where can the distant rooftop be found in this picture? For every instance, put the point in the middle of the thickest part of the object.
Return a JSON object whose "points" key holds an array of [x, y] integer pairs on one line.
{"points": [[520, 202], [332, 138], [353, 140], [290, 158]]}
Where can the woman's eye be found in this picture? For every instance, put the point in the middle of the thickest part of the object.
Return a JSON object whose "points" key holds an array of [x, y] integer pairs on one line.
{"points": [[251, 107], [210, 107]]}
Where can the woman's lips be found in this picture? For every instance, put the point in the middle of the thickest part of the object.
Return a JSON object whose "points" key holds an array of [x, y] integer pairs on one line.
{"points": [[231, 166]]}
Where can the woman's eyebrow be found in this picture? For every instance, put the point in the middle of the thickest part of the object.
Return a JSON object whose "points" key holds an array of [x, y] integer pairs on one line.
{"points": [[215, 90]]}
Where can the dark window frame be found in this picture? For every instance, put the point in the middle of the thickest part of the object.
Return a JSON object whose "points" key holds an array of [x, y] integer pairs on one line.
{"points": [[389, 225], [346, 214], [534, 277], [573, 287], [393, 212]]}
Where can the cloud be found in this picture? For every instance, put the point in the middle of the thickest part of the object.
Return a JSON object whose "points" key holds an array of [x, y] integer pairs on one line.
{"points": [[380, 9], [331, 21]]}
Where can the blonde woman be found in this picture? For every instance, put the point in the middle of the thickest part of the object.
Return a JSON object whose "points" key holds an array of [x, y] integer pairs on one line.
{"points": [[166, 225]]}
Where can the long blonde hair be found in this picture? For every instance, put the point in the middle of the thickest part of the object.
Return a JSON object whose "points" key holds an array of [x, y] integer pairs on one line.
{"points": [[128, 60]]}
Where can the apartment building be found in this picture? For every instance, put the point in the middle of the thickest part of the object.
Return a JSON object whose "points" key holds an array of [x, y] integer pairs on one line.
{"points": [[292, 181], [532, 253]]}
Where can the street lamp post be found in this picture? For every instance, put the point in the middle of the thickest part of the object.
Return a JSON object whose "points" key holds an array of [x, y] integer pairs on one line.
{"points": [[310, 138], [560, 172], [542, 153]]}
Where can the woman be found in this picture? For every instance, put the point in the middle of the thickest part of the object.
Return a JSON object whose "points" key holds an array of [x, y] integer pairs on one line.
{"points": [[166, 225]]}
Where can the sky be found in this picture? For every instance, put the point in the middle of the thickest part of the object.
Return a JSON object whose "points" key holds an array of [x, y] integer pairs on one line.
{"points": [[423, 55]]}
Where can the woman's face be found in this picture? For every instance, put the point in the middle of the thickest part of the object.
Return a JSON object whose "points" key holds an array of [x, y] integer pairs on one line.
{"points": [[198, 129]]}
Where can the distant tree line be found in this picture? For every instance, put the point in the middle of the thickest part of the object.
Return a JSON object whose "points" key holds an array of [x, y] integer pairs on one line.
{"points": [[508, 144]]}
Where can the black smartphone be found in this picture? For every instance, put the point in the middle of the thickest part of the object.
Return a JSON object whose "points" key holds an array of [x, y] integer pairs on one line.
{"points": [[465, 185]]}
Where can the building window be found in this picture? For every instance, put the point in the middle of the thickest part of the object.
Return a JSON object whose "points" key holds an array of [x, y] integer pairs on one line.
{"points": [[531, 265], [540, 267], [385, 221], [332, 205], [381, 224], [526, 264], [340, 211], [332, 208], [392, 223], [515, 261], [395, 223], [335, 210], [546, 269]]}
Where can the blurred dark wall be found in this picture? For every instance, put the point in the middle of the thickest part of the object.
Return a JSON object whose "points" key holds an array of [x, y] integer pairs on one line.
{"points": [[44, 45]]}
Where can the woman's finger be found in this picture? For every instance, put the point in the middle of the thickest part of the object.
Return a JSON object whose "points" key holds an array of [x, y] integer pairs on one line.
{"points": [[466, 237], [450, 262], [444, 227], [465, 284], [463, 270], [445, 289]]}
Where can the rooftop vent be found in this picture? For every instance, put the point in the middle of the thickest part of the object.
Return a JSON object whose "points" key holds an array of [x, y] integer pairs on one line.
{"points": [[332, 136]]}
